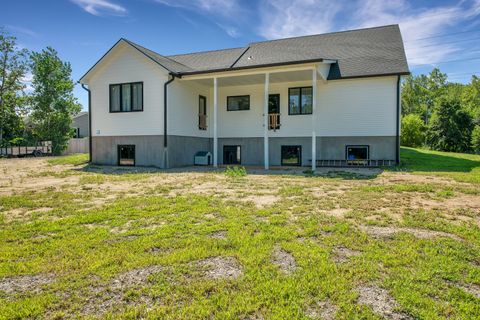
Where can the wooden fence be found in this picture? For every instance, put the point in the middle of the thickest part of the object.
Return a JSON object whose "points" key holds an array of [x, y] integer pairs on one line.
{"points": [[77, 145]]}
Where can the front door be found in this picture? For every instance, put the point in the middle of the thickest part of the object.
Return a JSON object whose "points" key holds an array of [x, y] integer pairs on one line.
{"points": [[231, 155], [274, 111]]}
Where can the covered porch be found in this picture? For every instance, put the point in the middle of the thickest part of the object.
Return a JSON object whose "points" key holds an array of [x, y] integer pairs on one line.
{"points": [[252, 104]]}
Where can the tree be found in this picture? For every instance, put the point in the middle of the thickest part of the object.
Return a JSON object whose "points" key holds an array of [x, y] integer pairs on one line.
{"points": [[471, 98], [13, 68], [53, 103], [413, 131], [476, 139], [451, 126]]}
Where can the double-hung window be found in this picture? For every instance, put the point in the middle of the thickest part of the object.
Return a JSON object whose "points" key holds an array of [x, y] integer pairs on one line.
{"points": [[126, 97], [300, 100]]}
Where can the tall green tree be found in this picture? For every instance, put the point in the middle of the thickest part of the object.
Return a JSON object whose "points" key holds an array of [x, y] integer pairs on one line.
{"points": [[471, 98], [53, 102], [451, 126], [13, 69], [413, 131]]}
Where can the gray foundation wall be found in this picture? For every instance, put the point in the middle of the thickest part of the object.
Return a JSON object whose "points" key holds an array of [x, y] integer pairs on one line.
{"points": [[149, 150]]}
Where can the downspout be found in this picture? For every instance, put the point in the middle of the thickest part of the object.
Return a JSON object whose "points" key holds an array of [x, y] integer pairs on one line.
{"points": [[89, 123], [165, 140], [397, 137]]}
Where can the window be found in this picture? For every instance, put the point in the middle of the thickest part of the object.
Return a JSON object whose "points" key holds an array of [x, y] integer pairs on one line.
{"points": [[291, 155], [236, 103], [126, 97], [300, 100], [232, 155], [357, 154], [202, 113], [126, 155]]}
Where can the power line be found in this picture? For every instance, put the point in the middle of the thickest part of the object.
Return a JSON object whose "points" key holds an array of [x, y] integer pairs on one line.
{"points": [[443, 35], [449, 61], [442, 43]]}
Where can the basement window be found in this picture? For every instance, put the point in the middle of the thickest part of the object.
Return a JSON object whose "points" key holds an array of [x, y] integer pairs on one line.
{"points": [[291, 155], [300, 100], [126, 97], [237, 103], [357, 154], [126, 155]]}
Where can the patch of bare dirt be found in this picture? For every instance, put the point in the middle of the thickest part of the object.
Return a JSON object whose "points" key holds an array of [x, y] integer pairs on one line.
{"points": [[284, 260], [337, 212], [28, 283], [253, 316], [460, 201], [105, 298], [343, 254], [381, 302], [219, 235], [325, 310], [473, 289], [389, 232], [262, 200], [220, 268]]}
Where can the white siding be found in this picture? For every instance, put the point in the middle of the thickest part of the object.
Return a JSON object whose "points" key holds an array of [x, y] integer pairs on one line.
{"points": [[356, 107], [183, 110], [128, 65]]}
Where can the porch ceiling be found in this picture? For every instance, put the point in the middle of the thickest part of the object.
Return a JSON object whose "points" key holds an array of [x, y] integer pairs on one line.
{"points": [[242, 80]]}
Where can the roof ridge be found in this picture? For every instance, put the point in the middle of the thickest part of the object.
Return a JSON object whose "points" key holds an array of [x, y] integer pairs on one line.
{"points": [[323, 34], [206, 51], [161, 55]]}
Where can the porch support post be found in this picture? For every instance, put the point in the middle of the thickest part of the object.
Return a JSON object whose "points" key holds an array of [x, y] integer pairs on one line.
{"points": [[314, 122], [265, 122], [215, 116]]}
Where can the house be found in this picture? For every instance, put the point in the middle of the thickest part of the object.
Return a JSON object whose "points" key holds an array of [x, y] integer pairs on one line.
{"points": [[80, 125], [332, 98]]}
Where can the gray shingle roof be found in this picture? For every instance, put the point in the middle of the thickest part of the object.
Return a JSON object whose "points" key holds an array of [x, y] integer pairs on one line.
{"points": [[210, 60], [358, 53]]}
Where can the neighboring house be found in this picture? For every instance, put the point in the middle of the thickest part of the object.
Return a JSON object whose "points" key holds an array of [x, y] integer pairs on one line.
{"points": [[80, 125], [332, 97]]}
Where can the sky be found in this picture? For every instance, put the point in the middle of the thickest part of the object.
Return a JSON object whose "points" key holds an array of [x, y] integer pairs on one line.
{"points": [[444, 33]]}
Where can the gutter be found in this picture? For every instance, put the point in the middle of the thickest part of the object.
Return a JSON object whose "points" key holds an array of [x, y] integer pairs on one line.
{"points": [[165, 109], [89, 122], [397, 136]]}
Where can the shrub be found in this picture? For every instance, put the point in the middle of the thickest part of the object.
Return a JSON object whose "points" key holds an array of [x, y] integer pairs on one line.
{"points": [[476, 139], [413, 131], [235, 172]]}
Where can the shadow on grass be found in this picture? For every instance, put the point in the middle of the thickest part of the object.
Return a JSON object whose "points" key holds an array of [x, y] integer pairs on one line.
{"points": [[431, 161]]}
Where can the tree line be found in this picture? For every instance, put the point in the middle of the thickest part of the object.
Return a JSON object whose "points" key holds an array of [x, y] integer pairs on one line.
{"points": [[439, 114], [36, 96]]}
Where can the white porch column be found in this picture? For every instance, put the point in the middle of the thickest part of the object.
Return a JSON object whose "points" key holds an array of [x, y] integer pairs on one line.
{"points": [[314, 122], [215, 116], [265, 122]]}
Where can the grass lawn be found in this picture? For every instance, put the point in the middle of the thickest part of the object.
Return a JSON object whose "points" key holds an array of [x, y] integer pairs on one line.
{"points": [[83, 241]]}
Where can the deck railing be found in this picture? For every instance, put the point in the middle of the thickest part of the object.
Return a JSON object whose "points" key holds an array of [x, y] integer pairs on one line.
{"points": [[355, 163], [273, 121], [202, 121]]}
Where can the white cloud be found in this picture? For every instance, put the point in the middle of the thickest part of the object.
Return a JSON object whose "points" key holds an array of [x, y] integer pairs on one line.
{"points": [[23, 30], [287, 18], [220, 7], [221, 12], [101, 7], [284, 18]]}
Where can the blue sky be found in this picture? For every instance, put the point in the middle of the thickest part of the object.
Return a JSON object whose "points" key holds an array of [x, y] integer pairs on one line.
{"points": [[436, 33]]}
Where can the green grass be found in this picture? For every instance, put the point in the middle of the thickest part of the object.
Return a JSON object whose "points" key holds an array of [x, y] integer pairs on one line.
{"points": [[74, 159], [459, 166], [87, 239]]}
